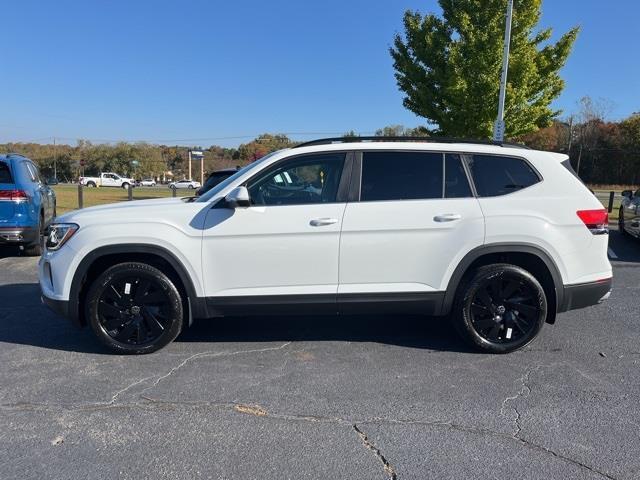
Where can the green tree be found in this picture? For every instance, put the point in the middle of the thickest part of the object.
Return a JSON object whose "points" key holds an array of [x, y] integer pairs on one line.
{"points": [[449, 67]]}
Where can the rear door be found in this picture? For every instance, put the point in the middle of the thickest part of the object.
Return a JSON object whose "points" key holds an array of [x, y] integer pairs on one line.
{"points": [[415, 217]]}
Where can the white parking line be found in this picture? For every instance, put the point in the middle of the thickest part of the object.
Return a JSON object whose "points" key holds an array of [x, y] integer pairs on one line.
{"points": [[611, 253]]}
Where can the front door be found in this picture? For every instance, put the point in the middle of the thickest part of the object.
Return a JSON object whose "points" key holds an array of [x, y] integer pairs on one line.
{"points": [[283, 249], [415, 219]]}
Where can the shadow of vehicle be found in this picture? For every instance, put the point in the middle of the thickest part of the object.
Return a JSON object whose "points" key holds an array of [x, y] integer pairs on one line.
{"points": [[623, 248], [25, 321], [9, 251]]}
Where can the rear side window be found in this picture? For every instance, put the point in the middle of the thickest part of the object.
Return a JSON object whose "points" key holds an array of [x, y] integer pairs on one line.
{"points": [[5, 173], [456, 183], [401, 176], [497, 175]]}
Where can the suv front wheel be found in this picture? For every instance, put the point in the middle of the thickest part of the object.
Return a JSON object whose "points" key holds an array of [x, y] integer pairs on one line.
{"points": [[500, 308], [134, 308]]}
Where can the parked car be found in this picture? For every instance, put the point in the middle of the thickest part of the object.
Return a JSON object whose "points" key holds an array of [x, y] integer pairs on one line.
{"points": [[498, 237], [190, 184], [215, 178], [629, 214], [147, 182], [27, 204], [107, 180]]}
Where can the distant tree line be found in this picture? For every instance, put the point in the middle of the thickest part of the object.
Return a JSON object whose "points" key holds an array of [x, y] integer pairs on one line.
{"points": [[601, 151]]}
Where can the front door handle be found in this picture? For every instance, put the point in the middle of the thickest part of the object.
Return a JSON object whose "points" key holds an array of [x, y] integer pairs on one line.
{"points": [[447, 217], [321, 222]]}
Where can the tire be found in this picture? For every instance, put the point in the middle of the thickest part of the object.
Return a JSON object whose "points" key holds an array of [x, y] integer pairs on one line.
{"points": [[91, 184], [621, 228], [139, 318], [35, 249], [191, 187], [125, 186], [487, 315]]}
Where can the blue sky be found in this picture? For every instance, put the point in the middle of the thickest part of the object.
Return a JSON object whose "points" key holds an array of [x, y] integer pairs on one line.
{"points": [[198, 72]]}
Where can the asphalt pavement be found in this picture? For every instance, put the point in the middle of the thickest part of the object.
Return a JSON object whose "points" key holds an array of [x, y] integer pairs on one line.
{"points": [[321, 397]]}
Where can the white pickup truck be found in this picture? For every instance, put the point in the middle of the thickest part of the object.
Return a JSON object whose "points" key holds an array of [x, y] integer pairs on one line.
{"points": [[107, 180]]}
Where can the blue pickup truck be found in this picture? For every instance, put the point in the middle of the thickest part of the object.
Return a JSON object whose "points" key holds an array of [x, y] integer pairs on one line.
{"points": [[27, 204]]}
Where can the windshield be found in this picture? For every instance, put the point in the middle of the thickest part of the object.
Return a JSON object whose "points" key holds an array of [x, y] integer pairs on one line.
{"points": [[222, 185]]}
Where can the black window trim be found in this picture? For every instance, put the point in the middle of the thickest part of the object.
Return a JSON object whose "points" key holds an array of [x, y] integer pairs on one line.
{"points": [[356, 184]]}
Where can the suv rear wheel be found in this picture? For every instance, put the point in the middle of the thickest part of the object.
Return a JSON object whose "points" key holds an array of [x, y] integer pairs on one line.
{"points": [[134, 308], [501, 308]]}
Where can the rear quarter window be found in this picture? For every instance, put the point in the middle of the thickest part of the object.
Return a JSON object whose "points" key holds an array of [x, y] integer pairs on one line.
{"points": [[5, 173], [495, 175]]}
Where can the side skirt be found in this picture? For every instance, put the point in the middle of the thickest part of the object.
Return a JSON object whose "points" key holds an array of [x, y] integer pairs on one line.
{"points": [[328, 304]]}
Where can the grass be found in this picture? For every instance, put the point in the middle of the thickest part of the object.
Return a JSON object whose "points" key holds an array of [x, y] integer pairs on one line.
{"points": [[67, 195]]}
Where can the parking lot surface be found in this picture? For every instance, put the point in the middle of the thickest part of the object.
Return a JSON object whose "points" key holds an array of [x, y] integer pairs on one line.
{"points": [[321, 397]]}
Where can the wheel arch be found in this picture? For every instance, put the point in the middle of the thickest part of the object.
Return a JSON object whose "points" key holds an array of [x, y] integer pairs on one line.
{"points": [[101, 258], [530, 257]]}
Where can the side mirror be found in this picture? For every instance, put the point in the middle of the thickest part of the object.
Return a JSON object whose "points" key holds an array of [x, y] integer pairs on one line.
{"points": [[238, 197], [627, 193]]}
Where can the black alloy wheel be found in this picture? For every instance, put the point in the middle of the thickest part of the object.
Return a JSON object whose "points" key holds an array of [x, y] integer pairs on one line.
{"points": [[135, 308], [501, 309]]}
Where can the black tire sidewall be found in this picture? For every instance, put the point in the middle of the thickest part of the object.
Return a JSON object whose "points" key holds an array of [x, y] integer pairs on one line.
{"points": [[142, 270], [462, 308]]}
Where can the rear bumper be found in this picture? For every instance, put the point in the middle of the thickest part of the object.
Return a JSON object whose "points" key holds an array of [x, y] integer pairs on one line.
{"points": [[585, 294], [18, 235]]}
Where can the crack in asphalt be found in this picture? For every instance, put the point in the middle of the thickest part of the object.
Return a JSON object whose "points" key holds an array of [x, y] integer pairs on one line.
{"points": [[388, 468], [525, 391], [258, 411]]}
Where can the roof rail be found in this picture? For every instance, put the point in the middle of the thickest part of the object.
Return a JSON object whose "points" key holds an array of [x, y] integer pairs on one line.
{"points": [[328, 141]]}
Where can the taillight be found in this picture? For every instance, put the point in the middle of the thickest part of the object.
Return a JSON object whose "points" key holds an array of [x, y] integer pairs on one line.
{"points": [[597, 221], [13, 195]]}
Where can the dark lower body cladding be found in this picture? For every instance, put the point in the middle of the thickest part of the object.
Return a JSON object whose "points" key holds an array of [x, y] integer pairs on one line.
{"points": [[18, 235], [583, 295]]}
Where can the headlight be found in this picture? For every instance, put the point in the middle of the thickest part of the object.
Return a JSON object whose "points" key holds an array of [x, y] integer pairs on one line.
{"points": [[59, 234]]}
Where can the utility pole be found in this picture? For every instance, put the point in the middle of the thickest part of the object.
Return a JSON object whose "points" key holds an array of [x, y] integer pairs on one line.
{"points": [[55, 159], [499, 127], [189, 164]]}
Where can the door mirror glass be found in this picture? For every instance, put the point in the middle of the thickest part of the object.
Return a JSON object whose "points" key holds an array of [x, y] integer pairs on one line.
{"points": [[238, 197], [627, 193]]}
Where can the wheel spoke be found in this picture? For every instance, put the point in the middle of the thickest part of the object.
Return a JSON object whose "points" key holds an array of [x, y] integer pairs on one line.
{"points": [[156, 297], [485, 323], [106, 309], [518, 325], [113, 323], [493, 333], [511, 288], [154, 324], [484, 297], [528, 310], [125, 334], [141, 290]]}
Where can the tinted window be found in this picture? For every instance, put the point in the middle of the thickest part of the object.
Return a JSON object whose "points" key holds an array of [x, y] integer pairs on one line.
{"points": [[309, 179], [495, 175], [401, 176], [456, 184], [5, 173]]}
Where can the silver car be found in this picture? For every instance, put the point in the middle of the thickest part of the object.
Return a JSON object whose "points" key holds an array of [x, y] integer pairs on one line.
{"points": [[629, 216], [190, 184]]}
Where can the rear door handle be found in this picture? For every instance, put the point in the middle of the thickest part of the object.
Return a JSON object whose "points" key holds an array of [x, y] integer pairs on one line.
{"points": [[321, 222], [447, 217]]}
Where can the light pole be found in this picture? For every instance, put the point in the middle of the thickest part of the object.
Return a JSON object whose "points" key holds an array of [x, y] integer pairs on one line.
{"points": [[498, 129]]}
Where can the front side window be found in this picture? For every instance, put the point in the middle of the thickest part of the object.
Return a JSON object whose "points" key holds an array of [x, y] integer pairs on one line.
{"points": [[401, 176], [495, 175], [304, 180]]}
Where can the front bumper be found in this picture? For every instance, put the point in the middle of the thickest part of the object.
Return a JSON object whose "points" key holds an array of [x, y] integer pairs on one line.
{"points": [[61, 307], [585, 294], [18, 235]]}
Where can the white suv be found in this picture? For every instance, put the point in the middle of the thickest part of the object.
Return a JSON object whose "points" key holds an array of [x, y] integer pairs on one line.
{"points": [[497, 236]]}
